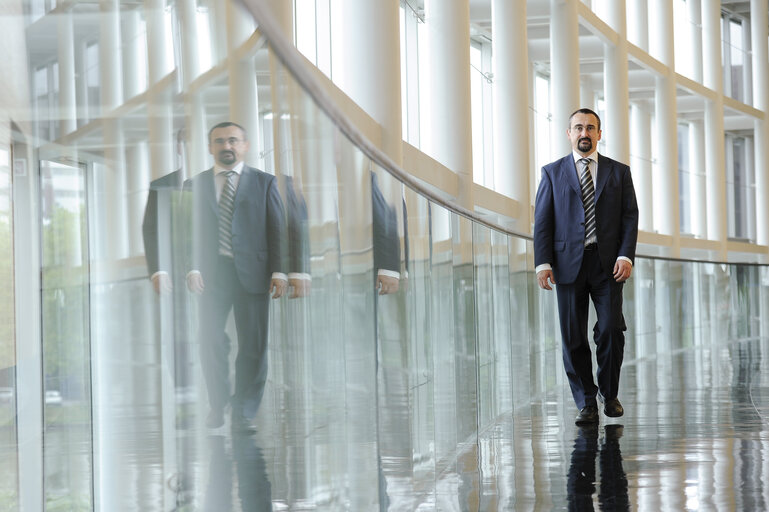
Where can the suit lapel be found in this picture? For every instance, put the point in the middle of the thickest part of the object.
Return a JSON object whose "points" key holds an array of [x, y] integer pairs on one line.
{"points": [[604, 170], [244, 185], [570, 171], [209, 190]]}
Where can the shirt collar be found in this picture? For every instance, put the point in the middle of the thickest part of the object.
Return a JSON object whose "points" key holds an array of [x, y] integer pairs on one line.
{"points": [[592, 156], [238, 169]]}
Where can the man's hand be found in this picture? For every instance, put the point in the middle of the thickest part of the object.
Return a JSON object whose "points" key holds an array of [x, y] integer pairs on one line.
{"points": [[300, 287], [542, 278], [387, 284], [277, 288], [622, 271], [195, 283], [161, 283]]}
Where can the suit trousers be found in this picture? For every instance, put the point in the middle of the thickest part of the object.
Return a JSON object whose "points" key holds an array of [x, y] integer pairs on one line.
{"points": [[608, 333], [222, 294]]}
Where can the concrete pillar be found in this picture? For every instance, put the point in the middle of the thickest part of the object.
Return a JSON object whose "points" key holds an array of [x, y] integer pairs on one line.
{"points": [[714, 123], [564, 71], [158, 63], [67, 72], [244, 104], [160, 119], [132, 60], [641, 163], [697, 187], [694, 10], [759, 20], [110, 56], [448, 24], [615, 127], [512, 166], [638, 23], [665, 176], [372, 66]]}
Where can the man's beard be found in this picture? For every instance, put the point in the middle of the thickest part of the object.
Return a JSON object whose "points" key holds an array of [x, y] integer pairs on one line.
{"points": [[585, 145], [227, 157]]}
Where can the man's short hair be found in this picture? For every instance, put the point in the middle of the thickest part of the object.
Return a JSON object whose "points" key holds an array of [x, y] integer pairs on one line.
{"points": [[225, 124], [584, 111]]}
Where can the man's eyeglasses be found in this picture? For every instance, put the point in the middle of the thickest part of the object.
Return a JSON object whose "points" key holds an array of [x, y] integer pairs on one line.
{"points": [[232, 141]]}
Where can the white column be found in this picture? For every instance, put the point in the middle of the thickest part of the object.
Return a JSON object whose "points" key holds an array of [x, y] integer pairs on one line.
{"points": [[157, 62], [372, 66], [130, 30], [81, 83], [67, 91], [714, 123], [448, 25], [564, 71], [110, 56], [665, 177], [512, 166], [218, 21], [638, 26], [161, 137], [694, 10], [697, 179], [641, 162], [196, 132], [244, 105], [136, 190], [615, 127], [759, 20]]}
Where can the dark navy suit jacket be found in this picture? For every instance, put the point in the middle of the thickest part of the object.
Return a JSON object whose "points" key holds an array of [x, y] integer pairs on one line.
{"points": [[559, 218], [258, 228]]}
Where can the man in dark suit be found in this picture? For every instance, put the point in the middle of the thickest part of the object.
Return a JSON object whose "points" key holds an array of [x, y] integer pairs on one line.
{"points": [[238, 262], [585, 233]]}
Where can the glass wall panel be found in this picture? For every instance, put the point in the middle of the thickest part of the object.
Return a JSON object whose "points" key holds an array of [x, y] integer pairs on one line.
{"points": [[8, 415], [66, 337]]}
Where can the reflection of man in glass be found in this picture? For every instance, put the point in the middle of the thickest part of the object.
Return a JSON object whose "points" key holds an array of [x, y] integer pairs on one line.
{"points": [[237, 264], [162, 232]]}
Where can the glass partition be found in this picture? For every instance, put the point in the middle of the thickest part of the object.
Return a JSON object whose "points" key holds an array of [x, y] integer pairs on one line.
{"points": [[168, 376]]}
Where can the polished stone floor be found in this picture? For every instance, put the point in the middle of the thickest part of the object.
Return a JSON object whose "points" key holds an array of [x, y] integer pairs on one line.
{"points": [[695, 436]]}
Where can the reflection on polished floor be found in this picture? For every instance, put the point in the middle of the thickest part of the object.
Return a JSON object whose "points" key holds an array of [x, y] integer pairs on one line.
{"points": [[695, 436]]}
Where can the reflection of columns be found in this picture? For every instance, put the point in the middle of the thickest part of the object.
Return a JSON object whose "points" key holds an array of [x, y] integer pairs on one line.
{"points": [[67, 94], [665, 177], [217, 12], [638, 28], [157, 62], [511, 101], [641, 163], [161, 139], [244, 104], [564, 71], [616, 87], [110, 58], [697, 178], [715, 166], [115, 234], [196, 135], [131, 31], [136, 193], [759, 21], [448, 23]]}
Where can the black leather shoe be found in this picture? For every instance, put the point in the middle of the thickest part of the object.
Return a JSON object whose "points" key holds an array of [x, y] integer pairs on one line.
{"points": [[215, 419], [613, 408], [588, 414], [241, 425]]}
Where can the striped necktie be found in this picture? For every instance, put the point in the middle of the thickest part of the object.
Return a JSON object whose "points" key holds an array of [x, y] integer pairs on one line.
{"points": [[226, 208], [588, 198]]}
